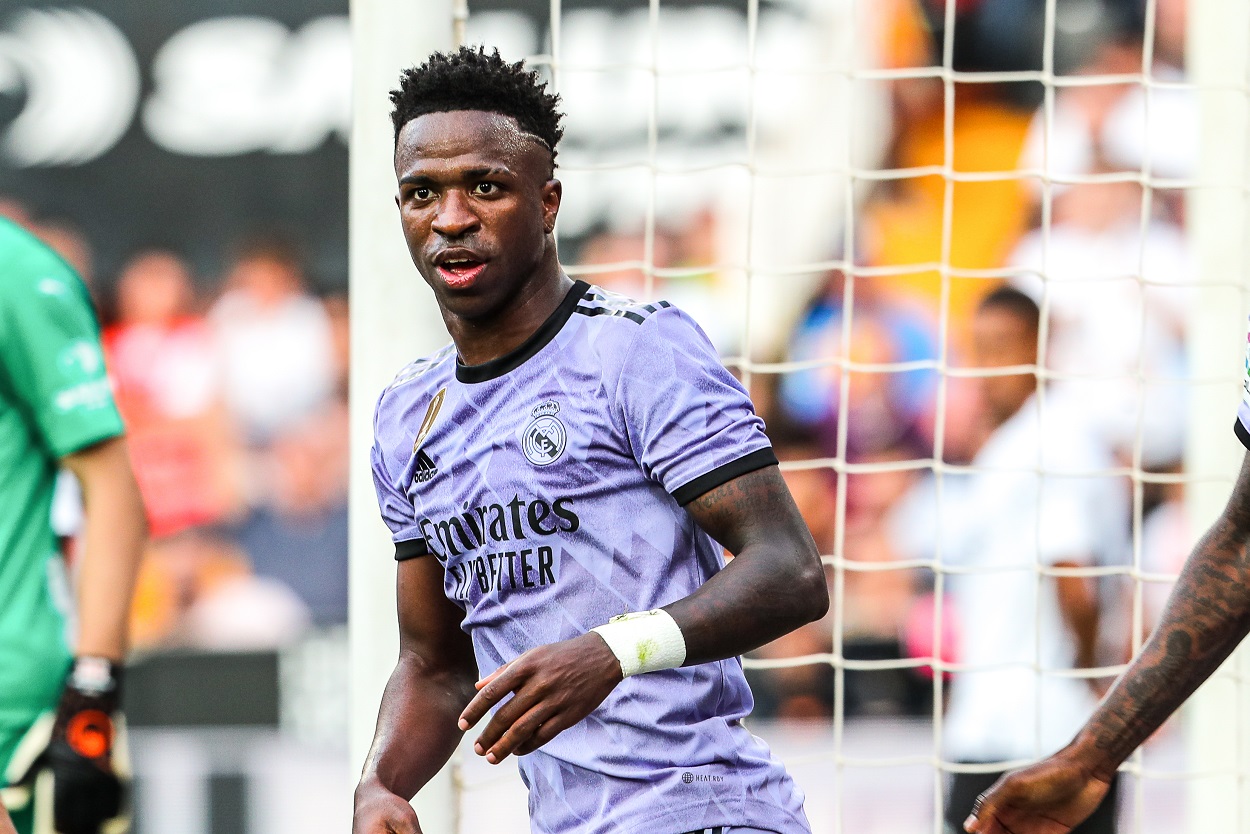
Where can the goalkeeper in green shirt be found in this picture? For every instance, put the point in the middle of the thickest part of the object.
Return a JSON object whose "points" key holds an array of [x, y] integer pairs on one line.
{"points": [[60, 673]]}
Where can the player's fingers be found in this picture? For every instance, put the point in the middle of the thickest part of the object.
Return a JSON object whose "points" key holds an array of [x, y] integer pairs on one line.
{"points": [[491, 690], [548, 730], [518, 733], [504, 719], [492, 676], [978, 822]]}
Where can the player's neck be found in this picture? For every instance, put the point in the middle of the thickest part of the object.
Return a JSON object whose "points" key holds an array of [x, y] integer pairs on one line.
{"points": [[483, 339]]}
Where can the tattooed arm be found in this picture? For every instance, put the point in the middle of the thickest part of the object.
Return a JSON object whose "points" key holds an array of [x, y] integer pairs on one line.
{"points": [[1206, 617], [774, 584]]}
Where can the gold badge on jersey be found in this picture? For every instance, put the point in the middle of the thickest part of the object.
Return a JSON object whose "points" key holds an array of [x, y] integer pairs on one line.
{"points": [[430, 414]]}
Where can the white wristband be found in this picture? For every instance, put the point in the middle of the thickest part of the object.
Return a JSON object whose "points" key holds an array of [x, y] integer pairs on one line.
{"points": [[646, 641]]}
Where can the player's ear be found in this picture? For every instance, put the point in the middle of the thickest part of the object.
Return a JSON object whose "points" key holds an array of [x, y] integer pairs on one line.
{"points": [[553, 190]]}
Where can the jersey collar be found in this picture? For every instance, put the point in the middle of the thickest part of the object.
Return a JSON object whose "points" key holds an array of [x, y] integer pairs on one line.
{"points": [[513, 359]]}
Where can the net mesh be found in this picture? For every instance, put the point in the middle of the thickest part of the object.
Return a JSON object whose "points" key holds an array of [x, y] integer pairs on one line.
{"points": [[766, 134]]}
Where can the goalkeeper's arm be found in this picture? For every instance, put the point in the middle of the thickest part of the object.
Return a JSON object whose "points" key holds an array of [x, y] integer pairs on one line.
{"points": [[113, 535], [72, 766], [431, 684]]}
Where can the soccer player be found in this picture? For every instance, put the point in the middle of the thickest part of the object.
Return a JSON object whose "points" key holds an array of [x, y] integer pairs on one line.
{"points": [[572, 457], [58, 699], [1206, 616]]}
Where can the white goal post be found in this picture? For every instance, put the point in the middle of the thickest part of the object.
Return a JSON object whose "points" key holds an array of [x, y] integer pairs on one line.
{"points": [[393, 320], [1217, 718]]}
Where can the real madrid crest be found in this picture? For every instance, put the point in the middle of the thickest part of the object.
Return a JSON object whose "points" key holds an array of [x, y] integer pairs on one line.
{"points": [[544, 439]]}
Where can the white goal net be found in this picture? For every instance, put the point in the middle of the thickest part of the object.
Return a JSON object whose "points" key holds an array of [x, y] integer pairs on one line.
{"points": [[832, 188]]}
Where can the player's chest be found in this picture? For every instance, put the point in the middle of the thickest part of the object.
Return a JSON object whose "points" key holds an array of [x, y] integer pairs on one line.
{"points": [[491, 444]]}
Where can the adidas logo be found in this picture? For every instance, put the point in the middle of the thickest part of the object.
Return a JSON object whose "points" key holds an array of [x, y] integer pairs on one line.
{"points": [[426, 470]]}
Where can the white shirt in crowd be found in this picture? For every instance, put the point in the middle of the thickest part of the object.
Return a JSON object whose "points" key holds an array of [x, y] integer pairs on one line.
{"points": [[1107, 325], [278, 360], [995, 528]]}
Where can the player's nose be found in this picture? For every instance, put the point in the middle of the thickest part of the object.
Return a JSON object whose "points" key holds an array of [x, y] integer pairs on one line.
{"points": [[454, 216]]}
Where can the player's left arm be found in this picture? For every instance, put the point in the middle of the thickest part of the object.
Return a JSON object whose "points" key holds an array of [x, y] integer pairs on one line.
{"points": [[774, 584]]}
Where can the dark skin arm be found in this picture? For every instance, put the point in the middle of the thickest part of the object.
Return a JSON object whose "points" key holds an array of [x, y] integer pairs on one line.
{"points": [[431, 684], [774, 584], [1207, 615]]}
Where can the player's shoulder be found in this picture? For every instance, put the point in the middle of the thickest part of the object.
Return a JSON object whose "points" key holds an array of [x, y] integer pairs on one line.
{"points": [[612, 308], [31, 270], [421, 374]]}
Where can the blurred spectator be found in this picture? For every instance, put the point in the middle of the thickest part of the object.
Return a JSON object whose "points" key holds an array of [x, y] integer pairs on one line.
{"points": [[340, 336], [1166, 539], [276, 340], [166, 376], [14, 209], [68, 241], [885, 407], [178, 572], [694, 281], [803, 690], [1118, 126], [904, 222], [1117, 293], [877, 601], [197, 591], [1115, 281], [298, 535], [904, 225], [1037, 500]]}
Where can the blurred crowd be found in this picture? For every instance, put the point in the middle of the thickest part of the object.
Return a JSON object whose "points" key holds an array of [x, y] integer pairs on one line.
{"points": [[234, 385], [234, 393], [1050, 206]]}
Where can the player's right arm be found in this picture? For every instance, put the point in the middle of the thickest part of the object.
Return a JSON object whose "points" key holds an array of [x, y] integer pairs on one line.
{"points": [[432, 683], [1207, 615]]}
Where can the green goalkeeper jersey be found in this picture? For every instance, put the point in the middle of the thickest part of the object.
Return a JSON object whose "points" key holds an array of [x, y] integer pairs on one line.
{"points": [[54, 400]]}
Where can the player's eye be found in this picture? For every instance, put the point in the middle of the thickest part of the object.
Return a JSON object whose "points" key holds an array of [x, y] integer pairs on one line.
{"points": [[421, 193], [485, 189]]}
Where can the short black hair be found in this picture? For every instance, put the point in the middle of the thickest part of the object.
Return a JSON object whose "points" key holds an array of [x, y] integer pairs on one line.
{"points": [[471, 79], [1019, 304]]}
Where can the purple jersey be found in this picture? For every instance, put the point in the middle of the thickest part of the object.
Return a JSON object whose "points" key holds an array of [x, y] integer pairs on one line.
{"points": [[550, 485]]}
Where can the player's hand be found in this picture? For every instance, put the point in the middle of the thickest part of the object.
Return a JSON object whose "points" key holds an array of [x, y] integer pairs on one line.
{"points": [[73, 766], [378, 811], [553, 687], [1051, 797]]}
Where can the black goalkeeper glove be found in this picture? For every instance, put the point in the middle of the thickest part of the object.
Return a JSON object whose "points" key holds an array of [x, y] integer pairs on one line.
{"points": [[72, 764]]}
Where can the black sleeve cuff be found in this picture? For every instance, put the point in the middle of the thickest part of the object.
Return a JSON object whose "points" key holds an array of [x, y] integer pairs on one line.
{"points": [[1242, 434], [723, 474], [410, 549]]}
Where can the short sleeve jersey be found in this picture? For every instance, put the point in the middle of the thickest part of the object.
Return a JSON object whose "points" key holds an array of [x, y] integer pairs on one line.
{"points": [[54, 400], [550, 483]]}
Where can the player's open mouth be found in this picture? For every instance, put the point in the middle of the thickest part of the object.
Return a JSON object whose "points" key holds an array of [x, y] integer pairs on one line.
{"points": [[460, 272]]}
